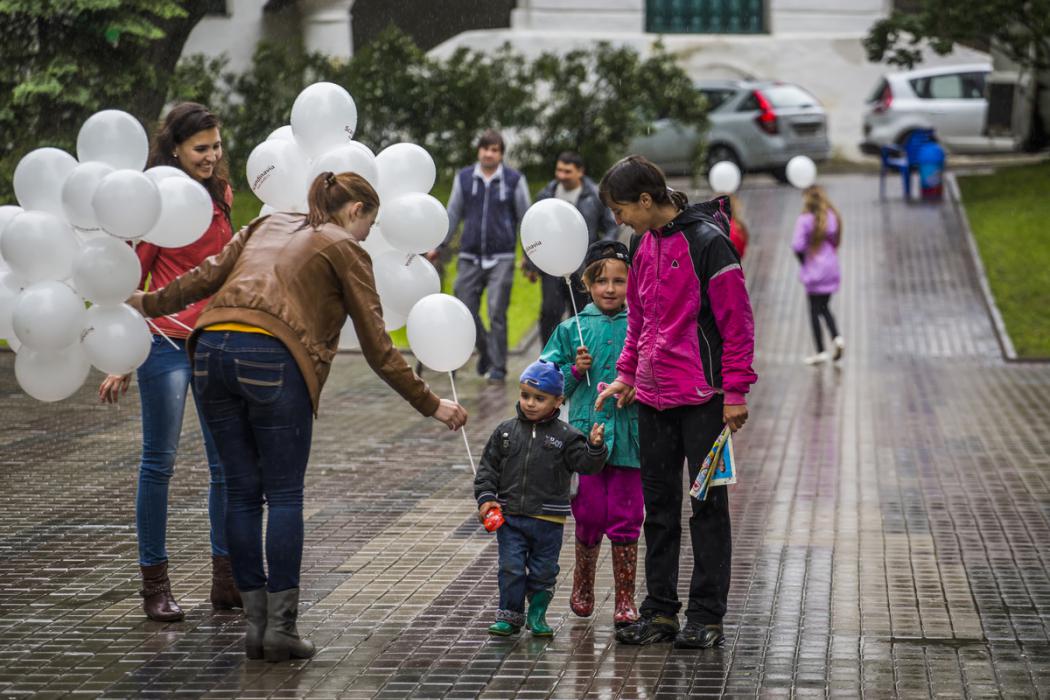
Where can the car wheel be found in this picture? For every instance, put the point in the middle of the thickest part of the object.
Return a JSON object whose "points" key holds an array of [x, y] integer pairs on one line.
{"points": [[721, 152], [780, 174]]}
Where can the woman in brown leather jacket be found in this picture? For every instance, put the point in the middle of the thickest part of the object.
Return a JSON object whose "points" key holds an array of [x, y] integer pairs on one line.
{"points": [[261, 351]]}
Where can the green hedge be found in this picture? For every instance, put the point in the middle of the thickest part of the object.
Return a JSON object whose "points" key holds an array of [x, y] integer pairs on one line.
{"points": [[592, 101]]}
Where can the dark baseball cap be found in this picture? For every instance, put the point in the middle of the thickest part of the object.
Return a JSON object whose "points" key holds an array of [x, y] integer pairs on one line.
{"points": [[605, 250]]}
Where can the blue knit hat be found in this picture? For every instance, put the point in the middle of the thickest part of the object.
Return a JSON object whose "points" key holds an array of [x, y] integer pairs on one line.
{"points": [[544, 376]]}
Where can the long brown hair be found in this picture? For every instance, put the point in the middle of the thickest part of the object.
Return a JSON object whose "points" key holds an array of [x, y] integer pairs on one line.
{"points": [[628, 179], [815, 201], [329, 193], [183, 121]]}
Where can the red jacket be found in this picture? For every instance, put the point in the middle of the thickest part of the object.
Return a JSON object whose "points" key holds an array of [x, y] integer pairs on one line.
{"points": [[162, 265]]}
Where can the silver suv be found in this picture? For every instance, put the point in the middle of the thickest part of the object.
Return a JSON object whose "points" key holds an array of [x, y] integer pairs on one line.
{"points": [[948, 99], [759, 125]]}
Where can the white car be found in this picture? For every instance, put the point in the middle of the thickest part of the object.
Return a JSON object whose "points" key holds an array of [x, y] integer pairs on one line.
{"points": [[948, 99]]}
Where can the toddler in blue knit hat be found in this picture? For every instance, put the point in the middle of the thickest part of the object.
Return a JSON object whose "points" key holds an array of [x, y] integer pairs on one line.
{"points": [[525, 471]]}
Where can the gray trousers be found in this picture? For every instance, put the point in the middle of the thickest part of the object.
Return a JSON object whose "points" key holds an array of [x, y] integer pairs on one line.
{"points": [[471, 281]]}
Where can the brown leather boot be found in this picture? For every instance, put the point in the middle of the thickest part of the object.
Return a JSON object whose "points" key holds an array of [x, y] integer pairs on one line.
{"points": [[625, 564], [224, 593], [158, 603], [582, 599]]}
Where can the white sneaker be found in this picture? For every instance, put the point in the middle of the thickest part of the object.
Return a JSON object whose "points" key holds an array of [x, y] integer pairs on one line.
{"points": [[840, 345], [818, 359]]}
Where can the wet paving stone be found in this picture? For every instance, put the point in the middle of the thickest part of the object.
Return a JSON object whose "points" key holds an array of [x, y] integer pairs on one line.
{"points": [[890, 525]]}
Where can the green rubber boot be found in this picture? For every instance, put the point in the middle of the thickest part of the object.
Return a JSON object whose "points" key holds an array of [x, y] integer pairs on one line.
{"points": [[536, 618], [503, 629]]}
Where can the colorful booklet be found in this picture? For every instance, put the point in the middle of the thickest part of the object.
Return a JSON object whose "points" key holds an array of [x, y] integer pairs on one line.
{"points": [[718, 468]]}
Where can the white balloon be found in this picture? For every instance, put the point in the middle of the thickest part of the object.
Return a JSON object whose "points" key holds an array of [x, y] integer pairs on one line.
{"points": [[116, 339], [724, 176], [392, 320], [13, 344], [7, 212], [51, 375], [77, 192], [404, 168], [39, 246], [113, 137], [162, 172], [363, 147], [323, 116], [186, 212], [441, 332], [351, 158], [127, 204], [403, 280], [39, 177], [376, 242], [106, 271], [348, 336], [416, 222], [48, 316], [554, 236], [284, 133], [801, 172], [276, 173], [10, 286], [266, 210]]}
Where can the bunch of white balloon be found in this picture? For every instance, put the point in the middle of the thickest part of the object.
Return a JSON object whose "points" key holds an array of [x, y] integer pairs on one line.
{"points": [[68, 243], [320, 139]]}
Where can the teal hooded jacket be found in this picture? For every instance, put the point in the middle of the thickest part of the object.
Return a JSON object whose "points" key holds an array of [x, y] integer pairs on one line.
{"points": [[604, 337]]}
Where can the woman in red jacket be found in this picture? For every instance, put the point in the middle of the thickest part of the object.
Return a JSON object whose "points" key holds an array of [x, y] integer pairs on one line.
{"points": [[189, 139]]}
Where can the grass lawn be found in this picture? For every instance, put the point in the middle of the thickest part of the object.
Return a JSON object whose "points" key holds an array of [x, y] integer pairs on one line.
{"points": [[1009, 212], [525, 296]]}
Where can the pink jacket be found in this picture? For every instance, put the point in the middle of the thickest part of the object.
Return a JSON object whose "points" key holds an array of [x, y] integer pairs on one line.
{"points": [[690, 332]]}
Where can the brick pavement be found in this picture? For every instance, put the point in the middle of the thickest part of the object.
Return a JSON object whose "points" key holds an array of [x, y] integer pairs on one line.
{"points": [[890, 526]]}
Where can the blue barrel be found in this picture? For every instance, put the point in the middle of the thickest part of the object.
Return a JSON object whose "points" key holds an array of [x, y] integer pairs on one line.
{"points": [[930, 161]]}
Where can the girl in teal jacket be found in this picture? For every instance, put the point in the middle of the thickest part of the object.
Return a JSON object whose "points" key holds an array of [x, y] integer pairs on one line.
{"points": [[608, 503]]}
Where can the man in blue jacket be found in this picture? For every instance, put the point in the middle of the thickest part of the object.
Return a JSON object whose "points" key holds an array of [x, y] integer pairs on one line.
{"points": [[571, 184], [490, 199]]}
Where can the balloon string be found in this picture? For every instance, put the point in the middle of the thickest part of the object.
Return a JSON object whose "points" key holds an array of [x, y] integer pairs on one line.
{"points": [[576, 315], [177, 322], [165, 335], [452, 378]]}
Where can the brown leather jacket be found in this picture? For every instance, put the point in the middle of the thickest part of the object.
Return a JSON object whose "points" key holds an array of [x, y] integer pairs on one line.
{"points": [[300, 285]]}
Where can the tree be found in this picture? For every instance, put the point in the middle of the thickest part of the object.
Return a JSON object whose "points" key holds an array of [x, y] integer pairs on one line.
{"points": [[594, 101], [1018, 28], [63, 60]]}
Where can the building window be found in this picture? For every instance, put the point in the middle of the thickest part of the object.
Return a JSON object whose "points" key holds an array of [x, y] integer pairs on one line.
{"points": [[217, 7], [705, 16]]}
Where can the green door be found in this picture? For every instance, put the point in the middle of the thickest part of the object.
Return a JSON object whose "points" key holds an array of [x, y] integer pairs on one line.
{"points": [[705, 16]]}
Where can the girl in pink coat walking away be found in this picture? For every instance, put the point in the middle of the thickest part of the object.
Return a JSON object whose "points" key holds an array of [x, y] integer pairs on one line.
{"points": [[818, 233]]}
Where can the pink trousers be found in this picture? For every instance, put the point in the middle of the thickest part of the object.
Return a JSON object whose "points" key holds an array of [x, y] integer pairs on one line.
{"points": [[609, 503]]}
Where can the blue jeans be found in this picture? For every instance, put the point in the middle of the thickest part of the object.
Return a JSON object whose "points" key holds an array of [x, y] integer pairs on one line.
{"points": [[528, 562], [258, 408], [163, 381]]}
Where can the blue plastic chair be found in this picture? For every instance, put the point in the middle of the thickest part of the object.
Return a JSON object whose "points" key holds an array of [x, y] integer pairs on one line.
{"points": [[903, 159]]}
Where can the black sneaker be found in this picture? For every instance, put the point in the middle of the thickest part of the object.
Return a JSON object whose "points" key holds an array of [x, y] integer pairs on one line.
{"points": [[697, 635], [484, 364], [649, 629]]}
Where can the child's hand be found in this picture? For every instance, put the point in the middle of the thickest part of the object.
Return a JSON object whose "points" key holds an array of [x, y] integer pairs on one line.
{"points": [[485, 508], [597, 434], [583, 359]]}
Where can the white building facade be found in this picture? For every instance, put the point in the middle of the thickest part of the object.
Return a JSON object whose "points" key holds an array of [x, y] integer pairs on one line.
{"points": [[237, 27], [813, 43]]}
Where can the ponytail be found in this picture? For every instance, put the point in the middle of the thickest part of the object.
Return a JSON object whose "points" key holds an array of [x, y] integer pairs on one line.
{"points": [[329, 193], [630, 178]]}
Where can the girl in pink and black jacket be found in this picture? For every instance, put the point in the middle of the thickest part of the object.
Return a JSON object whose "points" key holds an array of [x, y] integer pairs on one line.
{"points": [[687, 361]]}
